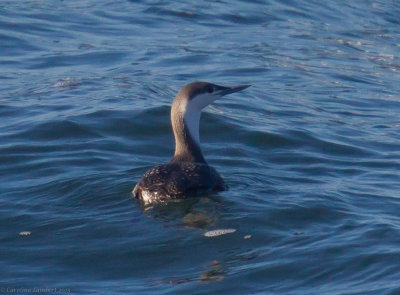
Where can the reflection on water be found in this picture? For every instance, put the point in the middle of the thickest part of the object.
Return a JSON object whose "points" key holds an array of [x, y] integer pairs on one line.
{"points": [[215, 272], [197, 213]]}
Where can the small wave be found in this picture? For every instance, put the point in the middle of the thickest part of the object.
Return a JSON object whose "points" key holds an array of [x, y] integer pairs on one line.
{"points": [[57, 130]]}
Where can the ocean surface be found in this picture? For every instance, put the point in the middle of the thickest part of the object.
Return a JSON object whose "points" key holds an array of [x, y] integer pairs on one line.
{"points": [[311, 151]]}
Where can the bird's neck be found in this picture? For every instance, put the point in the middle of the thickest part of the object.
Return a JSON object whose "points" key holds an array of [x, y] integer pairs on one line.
{"points": [[185, 124]]}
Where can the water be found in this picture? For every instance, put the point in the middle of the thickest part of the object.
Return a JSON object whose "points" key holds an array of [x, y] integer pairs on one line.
{"points": [[311, 151]]}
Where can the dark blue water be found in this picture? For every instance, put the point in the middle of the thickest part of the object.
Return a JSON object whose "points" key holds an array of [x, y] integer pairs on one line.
{"points": [[311, 151]]}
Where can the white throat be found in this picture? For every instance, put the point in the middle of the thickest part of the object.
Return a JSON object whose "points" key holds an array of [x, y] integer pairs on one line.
{"points": [[192, 112], [192, 120]]}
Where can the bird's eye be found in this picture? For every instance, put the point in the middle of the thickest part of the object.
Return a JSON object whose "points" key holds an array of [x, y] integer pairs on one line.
{"points": [[210, 89]]}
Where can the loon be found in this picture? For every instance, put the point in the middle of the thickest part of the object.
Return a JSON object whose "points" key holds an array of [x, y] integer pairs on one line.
{"points": [[187, 174]]}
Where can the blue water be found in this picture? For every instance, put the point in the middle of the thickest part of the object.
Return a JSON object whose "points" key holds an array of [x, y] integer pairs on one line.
{"points": [[311, 151]]}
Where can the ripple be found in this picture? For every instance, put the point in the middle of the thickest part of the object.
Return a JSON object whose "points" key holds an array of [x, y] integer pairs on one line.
{"points": [[65, 60], [189, 15], [58, 130], [15, 46]]}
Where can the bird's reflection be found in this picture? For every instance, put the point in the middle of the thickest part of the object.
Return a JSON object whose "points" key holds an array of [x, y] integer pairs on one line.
{"points": [[215, 272], [198, 213]]}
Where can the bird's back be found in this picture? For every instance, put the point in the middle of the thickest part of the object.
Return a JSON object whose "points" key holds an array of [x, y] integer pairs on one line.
{"points": [[177, 180]]}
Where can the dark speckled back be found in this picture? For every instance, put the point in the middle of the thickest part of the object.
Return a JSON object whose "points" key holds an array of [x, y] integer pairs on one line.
{"points": [[178, 180]]}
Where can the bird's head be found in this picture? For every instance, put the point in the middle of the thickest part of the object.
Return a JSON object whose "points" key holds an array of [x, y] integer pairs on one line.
{"points": [[198, 95], [190, 101]]}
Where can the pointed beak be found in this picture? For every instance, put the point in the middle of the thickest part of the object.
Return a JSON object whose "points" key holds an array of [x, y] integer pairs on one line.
{"points": [[223, 90]]}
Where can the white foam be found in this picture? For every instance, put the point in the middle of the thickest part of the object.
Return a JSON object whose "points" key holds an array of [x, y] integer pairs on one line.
{"points": [[219, 232]]}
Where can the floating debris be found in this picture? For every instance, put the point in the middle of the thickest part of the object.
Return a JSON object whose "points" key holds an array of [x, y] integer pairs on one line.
{"points": [[67, 82], [246, 237], [219, 232], [25, 233], [85, 46], [297, 233]]}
